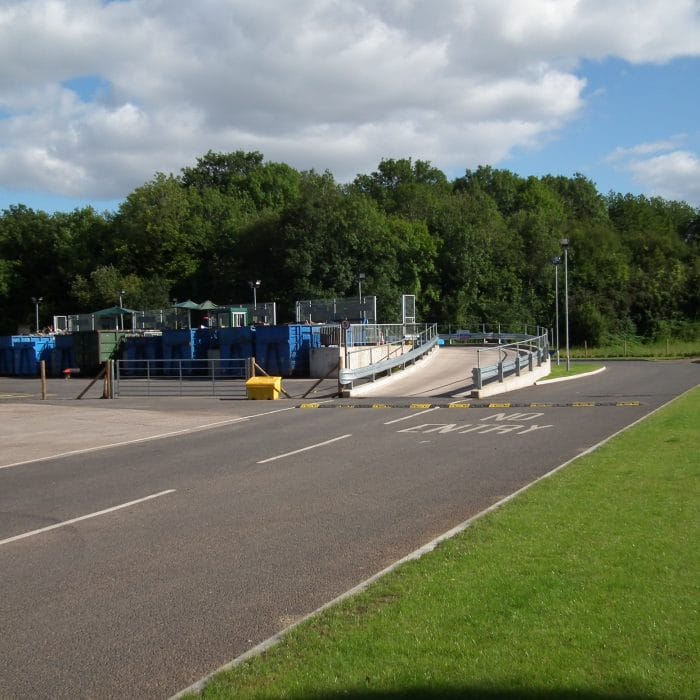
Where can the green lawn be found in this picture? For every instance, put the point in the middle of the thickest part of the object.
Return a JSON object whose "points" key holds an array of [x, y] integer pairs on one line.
{"points": [[559, 370], [585, 586], [635, 349]]}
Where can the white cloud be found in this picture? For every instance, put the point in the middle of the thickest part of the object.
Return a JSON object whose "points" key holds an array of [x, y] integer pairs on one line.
{"points": [[674, 174], [645, 149], [315, 83]]}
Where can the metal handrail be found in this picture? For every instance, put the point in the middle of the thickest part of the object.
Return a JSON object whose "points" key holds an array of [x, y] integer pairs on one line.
{"points": [[423, 342], [536, 350]]}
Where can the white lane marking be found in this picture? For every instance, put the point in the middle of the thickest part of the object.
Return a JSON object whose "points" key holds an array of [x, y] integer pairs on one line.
{"points": [[135, 441], [85, 517], [412, 415], [304, 449]]}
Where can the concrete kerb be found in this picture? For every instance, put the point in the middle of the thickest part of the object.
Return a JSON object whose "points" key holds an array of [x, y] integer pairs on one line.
{"points": [[513, 382], [568, 379]]}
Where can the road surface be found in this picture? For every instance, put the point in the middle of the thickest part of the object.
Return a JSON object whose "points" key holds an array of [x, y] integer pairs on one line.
{"points": [[177, 534]]}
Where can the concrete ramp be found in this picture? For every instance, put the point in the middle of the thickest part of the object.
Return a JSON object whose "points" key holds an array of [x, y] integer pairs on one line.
{"points": [[446, 373]]}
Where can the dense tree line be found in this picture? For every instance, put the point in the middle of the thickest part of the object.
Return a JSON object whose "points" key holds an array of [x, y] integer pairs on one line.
{"points": [[475, 249]]}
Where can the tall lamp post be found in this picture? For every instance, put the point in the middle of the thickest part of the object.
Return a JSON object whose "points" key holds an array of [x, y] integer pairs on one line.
{"points": [[121, 306], [565, 246], [556, 262], [37, 301], [360, 277], [255, 285]]}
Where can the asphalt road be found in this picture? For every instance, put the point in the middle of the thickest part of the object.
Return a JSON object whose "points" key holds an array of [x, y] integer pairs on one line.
{"points": [[135, 569]]}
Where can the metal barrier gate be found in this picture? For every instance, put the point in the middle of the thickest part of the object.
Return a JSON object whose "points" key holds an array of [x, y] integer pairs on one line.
{"points": [[215, 377]]}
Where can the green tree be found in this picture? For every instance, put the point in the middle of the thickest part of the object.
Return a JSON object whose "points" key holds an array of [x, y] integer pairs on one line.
{"points": [[579, 196], [222, 171], [404, 188], [106, 285], [660, 260], [502, 186], [153, 236]]}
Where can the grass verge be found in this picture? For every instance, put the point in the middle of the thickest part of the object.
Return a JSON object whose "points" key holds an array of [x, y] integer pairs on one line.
{"points": [[559, 371], [584, 586], [634, 349]]}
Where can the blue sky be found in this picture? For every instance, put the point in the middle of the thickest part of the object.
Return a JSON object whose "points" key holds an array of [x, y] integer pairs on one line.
{"points": [[96, 97], [626, 106]]}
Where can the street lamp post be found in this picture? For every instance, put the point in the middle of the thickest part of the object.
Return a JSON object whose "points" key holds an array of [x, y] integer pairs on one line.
{"points": [[121, 306], [565, 246], [556, 262], [37, 301], [360, 277], [255, 285]]}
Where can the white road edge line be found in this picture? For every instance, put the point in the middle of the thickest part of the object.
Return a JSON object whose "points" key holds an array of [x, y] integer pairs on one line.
{"points": [[544, 380], [412, 415], [417, 554], [157, 436], [85, 517], [304, 449]]}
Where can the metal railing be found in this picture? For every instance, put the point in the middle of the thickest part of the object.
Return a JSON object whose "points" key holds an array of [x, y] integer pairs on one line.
{"points": [[213, 377], [394, 340], [475, 327], [524, 351], [335, 310], [168, 318]]}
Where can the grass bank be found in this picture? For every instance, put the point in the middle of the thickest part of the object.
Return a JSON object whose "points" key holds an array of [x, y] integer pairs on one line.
{"points": [[559, 371], [584, 586], [635, 349]]}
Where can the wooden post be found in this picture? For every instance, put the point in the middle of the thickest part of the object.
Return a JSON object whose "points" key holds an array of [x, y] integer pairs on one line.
{"points": [[42, 364], [108, 391], [257, 367], [99, 376], [105, 381], [335, 368], [341, 366]]}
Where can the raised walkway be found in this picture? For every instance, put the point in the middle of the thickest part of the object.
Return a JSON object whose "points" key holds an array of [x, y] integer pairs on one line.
{"points": [[447, 373]]}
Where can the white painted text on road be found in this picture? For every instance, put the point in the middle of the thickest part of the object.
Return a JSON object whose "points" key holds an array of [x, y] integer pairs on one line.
{"points": [[498, 423]]}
